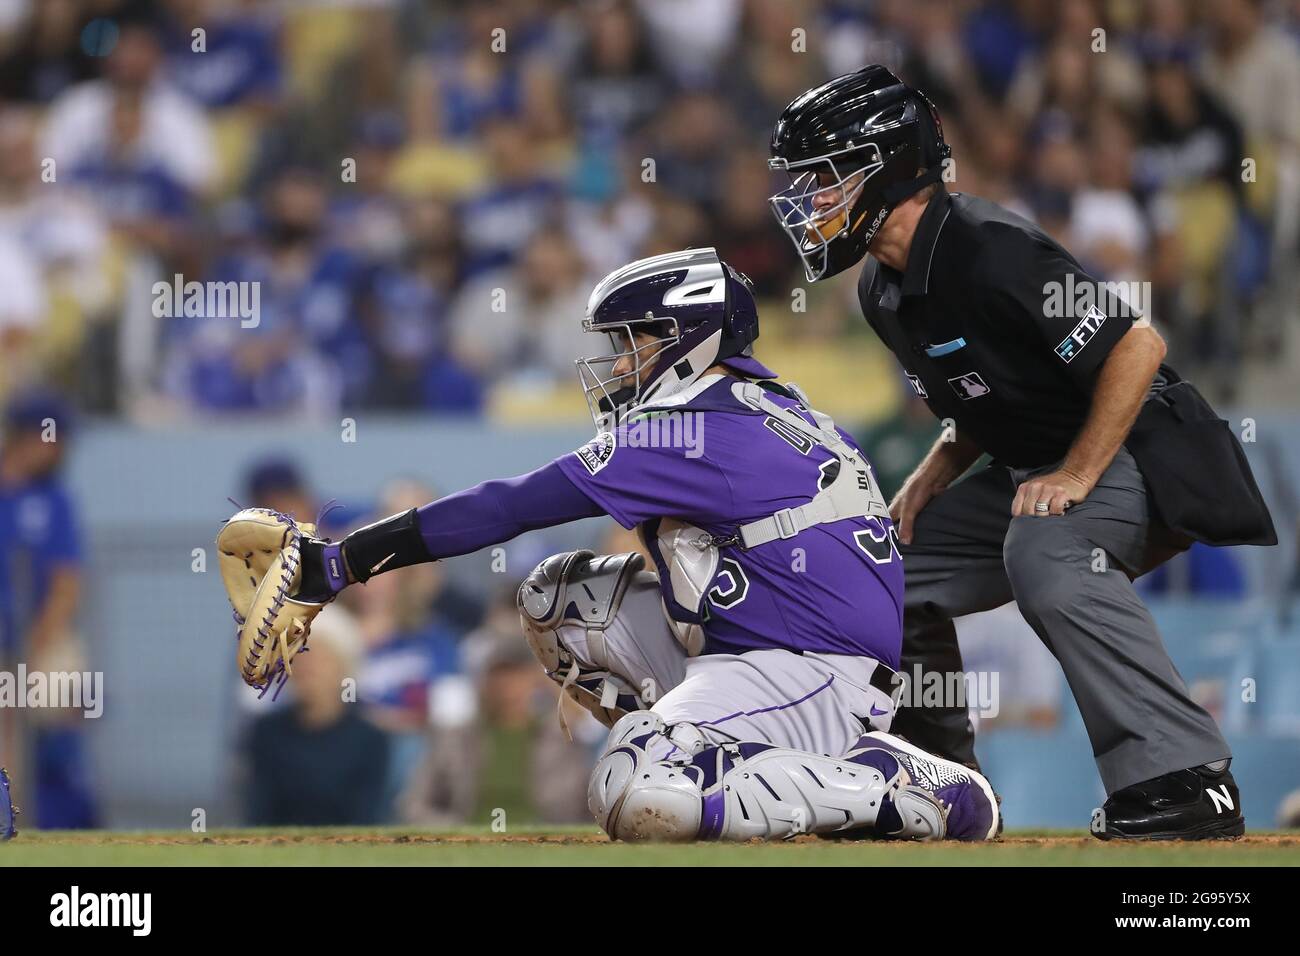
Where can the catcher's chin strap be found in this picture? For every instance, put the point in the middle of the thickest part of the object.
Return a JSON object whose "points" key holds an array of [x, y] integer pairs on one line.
{"points": [[852, 493]]}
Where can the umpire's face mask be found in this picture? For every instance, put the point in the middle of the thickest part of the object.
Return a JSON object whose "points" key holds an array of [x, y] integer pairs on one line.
{"points": [[820, 204]]}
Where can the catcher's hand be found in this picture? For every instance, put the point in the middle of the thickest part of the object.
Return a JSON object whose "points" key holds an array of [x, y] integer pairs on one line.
{"points": [[262, 553], [8, 812]]}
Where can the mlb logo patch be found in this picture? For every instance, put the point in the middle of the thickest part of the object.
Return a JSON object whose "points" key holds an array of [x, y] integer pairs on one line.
{"points": [[1073, 343], [916, 384], [969, 386], [596, 454]]}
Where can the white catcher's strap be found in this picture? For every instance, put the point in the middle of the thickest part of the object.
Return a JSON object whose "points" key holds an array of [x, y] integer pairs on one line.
{"points": [[853, 493]]}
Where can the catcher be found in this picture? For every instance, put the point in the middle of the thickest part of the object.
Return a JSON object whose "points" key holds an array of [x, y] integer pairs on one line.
{"points": [[749, 678]]}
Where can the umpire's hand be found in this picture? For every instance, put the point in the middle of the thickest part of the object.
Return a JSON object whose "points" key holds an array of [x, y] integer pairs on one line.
{"points": [[907, 504], [1051, 494]]}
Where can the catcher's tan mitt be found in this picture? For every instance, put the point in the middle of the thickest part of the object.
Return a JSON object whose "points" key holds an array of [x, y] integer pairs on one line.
{"points": [[261, 556]]}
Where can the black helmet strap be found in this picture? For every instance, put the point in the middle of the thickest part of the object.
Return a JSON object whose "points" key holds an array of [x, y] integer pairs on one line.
{"points": [[895, 193]]}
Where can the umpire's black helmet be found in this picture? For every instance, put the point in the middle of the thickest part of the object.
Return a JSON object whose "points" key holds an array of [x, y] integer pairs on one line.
{"points": [[859, 140]]}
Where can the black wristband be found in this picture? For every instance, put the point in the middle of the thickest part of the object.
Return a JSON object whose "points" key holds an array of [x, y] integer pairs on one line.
{"points": [[394, 542]]}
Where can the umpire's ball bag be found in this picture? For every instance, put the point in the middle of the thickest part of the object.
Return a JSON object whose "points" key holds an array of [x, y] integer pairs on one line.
{"points": [[1196, 470]]}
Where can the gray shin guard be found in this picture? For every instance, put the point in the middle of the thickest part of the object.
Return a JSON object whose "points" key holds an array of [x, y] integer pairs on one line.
{"points": [[779, 793], [580, 593], [742, 791], [635, 798]]}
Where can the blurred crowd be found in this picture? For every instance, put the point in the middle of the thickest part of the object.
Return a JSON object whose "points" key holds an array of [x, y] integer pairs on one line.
{"points": [[425, 191]]}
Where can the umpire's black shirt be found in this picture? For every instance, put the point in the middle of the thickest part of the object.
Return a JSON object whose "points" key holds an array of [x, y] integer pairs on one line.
{"points": [[983, 340]]}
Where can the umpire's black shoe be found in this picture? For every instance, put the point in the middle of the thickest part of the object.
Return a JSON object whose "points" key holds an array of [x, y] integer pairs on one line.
{"points": [[1197, 804]]}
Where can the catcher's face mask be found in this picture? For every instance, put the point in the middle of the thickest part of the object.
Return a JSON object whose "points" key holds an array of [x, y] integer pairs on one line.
{"points": [[826, 204], [618, 381]]}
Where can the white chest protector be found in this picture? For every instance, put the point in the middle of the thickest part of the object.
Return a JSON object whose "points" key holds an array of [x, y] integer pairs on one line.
{"points": [[692, 562], [691, 554]]}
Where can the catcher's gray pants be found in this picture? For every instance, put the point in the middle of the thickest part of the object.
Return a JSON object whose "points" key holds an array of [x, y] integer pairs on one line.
{"points": [[1071, 576], [818, 703]]}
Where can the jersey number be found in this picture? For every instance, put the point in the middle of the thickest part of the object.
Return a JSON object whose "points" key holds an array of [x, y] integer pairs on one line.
{"points": [[877, 542], [797, 440], [731, 585]]}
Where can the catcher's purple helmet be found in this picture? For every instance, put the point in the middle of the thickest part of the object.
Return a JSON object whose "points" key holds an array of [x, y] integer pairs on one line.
{"points": [[698, 309]]}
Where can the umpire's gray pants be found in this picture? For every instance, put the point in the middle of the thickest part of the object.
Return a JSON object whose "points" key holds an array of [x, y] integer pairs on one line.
{"points": [[1071, 575]]}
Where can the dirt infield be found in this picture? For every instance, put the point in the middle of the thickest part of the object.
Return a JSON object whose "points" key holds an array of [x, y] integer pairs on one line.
{"points": [[587, 847]]}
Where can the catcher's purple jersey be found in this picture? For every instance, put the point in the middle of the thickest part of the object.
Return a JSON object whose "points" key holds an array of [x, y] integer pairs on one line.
{"points": [[716, 463]]}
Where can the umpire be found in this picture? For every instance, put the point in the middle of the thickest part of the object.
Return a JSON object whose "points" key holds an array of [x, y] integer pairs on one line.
{"points": [[1104, 462]]}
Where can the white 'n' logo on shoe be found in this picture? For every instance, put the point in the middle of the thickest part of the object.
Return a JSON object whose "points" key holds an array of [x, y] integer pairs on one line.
{"points": [[1221, 800]]}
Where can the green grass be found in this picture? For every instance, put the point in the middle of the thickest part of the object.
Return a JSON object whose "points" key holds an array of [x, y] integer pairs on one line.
{"points": [[586, 847]]}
